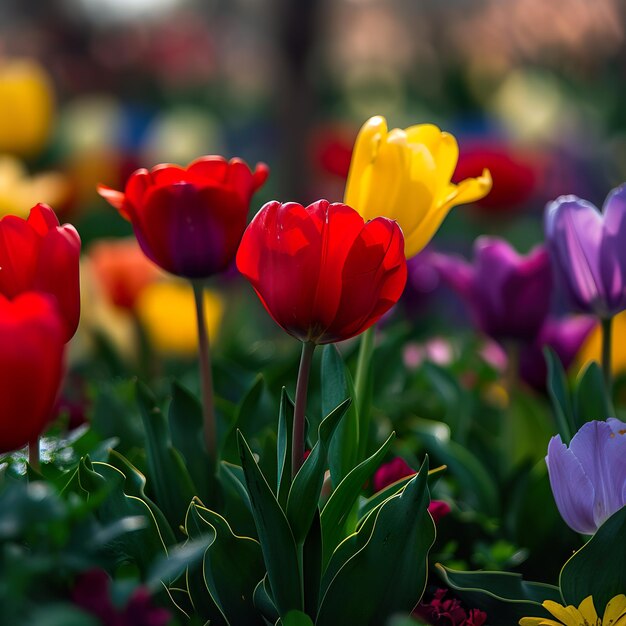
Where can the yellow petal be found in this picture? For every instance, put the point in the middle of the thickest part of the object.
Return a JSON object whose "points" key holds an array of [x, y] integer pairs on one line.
{"points": [[615, 610], [468, 190], [538, 621], [568, 615], [588, 611], [365, 150], [167, 311]]}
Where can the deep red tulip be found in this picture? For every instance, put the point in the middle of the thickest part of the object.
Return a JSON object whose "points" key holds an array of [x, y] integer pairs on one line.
{"points": [[32, 336], [37, 254], [321, 272], [189, 221]]}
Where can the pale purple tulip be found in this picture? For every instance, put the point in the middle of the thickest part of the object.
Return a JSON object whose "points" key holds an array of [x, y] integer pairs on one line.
{"points": [[588, 250], [588, 479], [507, 293]]}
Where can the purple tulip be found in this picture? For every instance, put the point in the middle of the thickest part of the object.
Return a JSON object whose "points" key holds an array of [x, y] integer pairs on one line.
{"points": [[588, 479], [565, 336], [507, 293], [587, 247]]}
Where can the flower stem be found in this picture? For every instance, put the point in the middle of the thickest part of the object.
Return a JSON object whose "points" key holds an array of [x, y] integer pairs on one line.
{"points": [[297, 443], [206, 380], [361, 382], [607, 332], [33, 454]]}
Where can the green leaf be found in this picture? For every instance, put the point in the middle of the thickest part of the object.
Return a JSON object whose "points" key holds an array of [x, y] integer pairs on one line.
{"points": [[598, 569], [504, 596], [367, 506], [295, 618], [187, 428], [591, 400], [263, 601], [559, 394], [246, 417], [144, 544], [135, 486], [337, 521], [387, 573], [312, 566], [204, 604], [337, 386], [283, 447], [168, 569], [275, 536], [233, 566], [305, 491], [169, 478]]}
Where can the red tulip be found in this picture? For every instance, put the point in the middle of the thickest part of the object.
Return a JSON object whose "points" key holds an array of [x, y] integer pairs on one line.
{"points": [[37, 254], [189, 221], [321, 272], [32, 336]]}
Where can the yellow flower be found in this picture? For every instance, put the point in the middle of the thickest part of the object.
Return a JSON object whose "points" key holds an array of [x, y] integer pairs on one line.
{"points": [[26, 106], [405, 175], [20, 192], [584, 615], [591, 350], [167, 311]]}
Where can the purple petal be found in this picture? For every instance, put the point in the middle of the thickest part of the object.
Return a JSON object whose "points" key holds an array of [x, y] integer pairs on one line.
{"points": [[613, 250], [572, 489], [574, 231], [456, 272], [512, 291], [602, 455], [567, 335]]}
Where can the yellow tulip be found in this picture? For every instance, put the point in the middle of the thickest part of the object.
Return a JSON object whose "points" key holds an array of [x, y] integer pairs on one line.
{"points": [[584, 615], [19, 192], [26, 107], [167, 311], [405, 175]]}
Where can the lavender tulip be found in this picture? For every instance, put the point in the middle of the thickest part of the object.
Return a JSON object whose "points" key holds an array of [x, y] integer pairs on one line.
{"points": [[508, 294], [588, 479], [587, 247], [565, 336]]}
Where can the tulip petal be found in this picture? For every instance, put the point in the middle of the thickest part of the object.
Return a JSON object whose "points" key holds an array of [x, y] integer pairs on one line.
{"points": [[31, 366], [18, 255], [372, 133], [573, 491], [207, 170], [602, 456], [613, 251], [574, 232]]}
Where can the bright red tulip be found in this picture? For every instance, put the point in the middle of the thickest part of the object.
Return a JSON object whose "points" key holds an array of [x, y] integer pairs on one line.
{"points": [[32, 336], [189, 221], [321, 272], [36, 254]]}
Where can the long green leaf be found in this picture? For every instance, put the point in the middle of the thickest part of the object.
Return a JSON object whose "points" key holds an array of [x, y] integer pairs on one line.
{"points": [[504, 596], [337, 386], [559, 395], [283, 447], [388, 573], [169, 478], [233, 566], [304, 494], [275, 536], [336, 513]]}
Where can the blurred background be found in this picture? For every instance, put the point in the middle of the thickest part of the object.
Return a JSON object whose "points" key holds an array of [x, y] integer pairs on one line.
{"points": [[92, 89]]}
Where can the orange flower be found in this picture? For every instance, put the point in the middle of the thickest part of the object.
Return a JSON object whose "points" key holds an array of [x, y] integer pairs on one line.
{"points": [[123, 270]]}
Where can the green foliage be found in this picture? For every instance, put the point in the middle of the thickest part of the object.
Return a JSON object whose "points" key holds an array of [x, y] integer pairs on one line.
{"points": [[598, 569]]}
